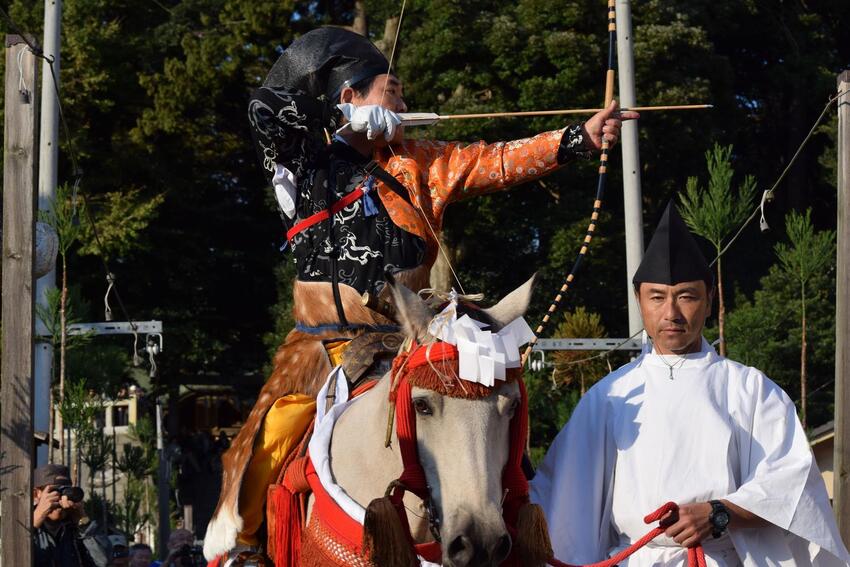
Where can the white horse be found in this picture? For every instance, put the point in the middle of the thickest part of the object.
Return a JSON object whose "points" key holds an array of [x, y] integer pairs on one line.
{"points": [[463, 447]]}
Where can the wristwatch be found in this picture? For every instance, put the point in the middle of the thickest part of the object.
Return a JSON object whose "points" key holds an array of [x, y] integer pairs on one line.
{"points": [[719, 518]]}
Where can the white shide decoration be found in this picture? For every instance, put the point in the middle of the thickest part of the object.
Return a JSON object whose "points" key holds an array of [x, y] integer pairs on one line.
{"points": [[483, 355]]}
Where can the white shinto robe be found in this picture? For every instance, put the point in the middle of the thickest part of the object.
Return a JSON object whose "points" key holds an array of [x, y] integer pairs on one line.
{"points": [[718, 430]]}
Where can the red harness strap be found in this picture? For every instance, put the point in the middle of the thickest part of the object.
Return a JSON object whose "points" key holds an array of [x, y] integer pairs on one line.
{"points": [[696, 555], [358, 193], [344, 529]]}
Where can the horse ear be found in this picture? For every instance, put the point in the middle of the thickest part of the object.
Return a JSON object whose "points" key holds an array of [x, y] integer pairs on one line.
{"points": [[413, 313], [512, 305]]}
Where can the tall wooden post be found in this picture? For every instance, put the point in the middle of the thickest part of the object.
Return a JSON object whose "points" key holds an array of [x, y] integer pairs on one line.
{"points": [[19, 206], [841, 479]]}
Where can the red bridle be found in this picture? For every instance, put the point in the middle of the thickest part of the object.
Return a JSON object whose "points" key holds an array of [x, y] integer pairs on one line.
{"points": [[413, 476]]}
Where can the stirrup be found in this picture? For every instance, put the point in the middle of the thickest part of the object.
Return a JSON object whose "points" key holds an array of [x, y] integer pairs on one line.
{"points": [[246, 556]]}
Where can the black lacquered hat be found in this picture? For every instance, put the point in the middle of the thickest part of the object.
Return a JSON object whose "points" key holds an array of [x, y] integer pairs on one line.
{"points": [[324, 61], [673, 255]]}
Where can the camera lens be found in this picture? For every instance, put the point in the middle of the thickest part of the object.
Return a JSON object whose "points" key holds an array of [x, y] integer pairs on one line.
{"points": [[73, 493]]}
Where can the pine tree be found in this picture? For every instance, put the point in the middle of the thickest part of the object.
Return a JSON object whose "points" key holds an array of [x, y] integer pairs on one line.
{"points": [[807, 253], [715, 212]]}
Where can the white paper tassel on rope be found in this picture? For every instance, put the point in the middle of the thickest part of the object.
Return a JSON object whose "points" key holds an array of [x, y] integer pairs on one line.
{"points": [[483, 355]]}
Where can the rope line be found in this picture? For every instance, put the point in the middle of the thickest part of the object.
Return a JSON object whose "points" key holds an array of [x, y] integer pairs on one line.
{"points": [[767, 195]]}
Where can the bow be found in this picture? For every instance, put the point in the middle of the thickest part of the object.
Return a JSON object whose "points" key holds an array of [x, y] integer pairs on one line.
{"points": [[600, 186]]}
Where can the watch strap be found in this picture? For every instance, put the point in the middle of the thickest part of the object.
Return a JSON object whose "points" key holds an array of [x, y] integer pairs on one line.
{"points": [[718, 507]]}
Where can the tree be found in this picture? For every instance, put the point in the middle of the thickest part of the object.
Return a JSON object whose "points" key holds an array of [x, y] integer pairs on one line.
{"points": [[133, 464], [62, 216], [715, 212], [808, 253], [79, 414], [571, 366]]}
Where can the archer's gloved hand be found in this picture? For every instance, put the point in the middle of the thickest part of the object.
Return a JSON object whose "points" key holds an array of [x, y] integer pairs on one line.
{"points": [[372, 119]]}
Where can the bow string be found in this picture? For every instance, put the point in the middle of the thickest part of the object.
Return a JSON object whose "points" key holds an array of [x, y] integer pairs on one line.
{"points": [[600, 185], [602, 180]]}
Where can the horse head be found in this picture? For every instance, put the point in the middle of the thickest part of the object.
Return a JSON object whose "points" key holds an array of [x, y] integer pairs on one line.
{"points": [[463, 435], [456, 444]]}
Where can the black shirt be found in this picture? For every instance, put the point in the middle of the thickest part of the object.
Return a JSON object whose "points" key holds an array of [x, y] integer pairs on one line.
{"points": [[64, 548]]}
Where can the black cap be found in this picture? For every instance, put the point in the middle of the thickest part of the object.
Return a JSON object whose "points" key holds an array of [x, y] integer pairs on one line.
{"points": [[56, 475], [325, 60], [673, 255]]}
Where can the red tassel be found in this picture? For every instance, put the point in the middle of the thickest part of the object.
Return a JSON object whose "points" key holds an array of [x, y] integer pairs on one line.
{"points": [[284, 519]]}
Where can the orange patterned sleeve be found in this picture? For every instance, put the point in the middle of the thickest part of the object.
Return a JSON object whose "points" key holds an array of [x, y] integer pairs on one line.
{"points": [[438, 173], [458, 171]]}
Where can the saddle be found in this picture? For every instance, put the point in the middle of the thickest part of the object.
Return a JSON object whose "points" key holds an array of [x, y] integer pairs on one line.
{"points": [[286, 501]]}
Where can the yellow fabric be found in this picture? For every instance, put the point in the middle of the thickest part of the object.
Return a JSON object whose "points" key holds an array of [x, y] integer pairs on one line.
{"points": [[283, 428], [336, 350]]}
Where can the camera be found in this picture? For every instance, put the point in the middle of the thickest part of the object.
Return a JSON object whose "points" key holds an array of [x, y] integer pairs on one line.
{"points": [[73, 493], [189, 556]]}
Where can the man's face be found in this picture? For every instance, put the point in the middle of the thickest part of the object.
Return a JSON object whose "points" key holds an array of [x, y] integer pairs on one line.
{"points": [[386, 91], [674, 315]]}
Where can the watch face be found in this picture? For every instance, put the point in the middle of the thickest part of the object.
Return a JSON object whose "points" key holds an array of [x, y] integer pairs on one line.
{"points": [[720, 519]]}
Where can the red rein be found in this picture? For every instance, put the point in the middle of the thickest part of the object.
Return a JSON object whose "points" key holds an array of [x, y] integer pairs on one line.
{"points": [[696, 556]]}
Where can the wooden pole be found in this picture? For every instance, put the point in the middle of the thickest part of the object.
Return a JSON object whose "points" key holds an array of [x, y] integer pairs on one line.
{"points": [[841, 478], [19, 206]]}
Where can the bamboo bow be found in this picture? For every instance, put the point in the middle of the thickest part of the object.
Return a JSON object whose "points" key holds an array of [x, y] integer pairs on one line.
{"points": [[600, 186]]}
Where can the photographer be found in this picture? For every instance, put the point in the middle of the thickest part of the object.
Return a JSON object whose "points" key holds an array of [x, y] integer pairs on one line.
{"points": [[182, 551], [57, 512]]}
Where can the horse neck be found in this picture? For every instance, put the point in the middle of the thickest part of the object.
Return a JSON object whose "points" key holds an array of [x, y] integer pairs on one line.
{"points": [[361, 463]]}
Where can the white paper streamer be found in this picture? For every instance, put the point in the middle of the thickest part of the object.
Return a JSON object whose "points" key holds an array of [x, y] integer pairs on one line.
{"points": [[483, 355]]}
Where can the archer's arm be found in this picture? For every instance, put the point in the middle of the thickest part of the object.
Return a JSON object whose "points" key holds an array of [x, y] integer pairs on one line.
{"points": [[462, 171]]}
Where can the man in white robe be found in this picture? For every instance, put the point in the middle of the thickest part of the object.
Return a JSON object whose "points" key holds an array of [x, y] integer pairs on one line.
{"points": [[683, 424]]}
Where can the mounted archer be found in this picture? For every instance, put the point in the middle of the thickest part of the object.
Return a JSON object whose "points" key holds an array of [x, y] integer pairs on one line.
{"points": [[358, 201]]}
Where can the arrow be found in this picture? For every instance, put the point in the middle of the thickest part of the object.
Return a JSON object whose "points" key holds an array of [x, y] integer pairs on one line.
{"points": [[429, 118]]}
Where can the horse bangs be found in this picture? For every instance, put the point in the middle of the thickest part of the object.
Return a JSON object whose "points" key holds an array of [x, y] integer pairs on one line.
{"points": [[441, 376]]}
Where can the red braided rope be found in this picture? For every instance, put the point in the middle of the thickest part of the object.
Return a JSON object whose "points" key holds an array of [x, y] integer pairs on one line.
{"points": [[696, 556]]}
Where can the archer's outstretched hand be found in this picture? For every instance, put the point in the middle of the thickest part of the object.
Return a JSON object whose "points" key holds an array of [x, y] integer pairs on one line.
{"points": [[607, 124]]}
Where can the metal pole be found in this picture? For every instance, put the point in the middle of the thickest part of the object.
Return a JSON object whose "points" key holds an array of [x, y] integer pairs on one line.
{"points": [[841, 456], [632, 202], [48, 160], [162, 486]]}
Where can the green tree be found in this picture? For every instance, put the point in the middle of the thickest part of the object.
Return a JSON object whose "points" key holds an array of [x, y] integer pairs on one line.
{"points": [[132, 513], [62, 216], [807, 253], [79, 414], [715, 212]]}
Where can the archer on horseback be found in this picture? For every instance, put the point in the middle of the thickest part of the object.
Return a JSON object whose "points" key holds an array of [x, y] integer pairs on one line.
{"points": [[358, 201]]}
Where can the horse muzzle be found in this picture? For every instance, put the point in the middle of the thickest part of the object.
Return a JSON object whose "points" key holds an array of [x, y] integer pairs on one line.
{"points": [[476, 546]]}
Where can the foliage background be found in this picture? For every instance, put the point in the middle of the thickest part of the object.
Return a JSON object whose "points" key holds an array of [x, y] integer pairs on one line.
{"points": [[155, 93]]}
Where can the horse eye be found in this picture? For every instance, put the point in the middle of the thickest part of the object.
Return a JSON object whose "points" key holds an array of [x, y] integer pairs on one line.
{"points": [[514, 406], [421, 406]]}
